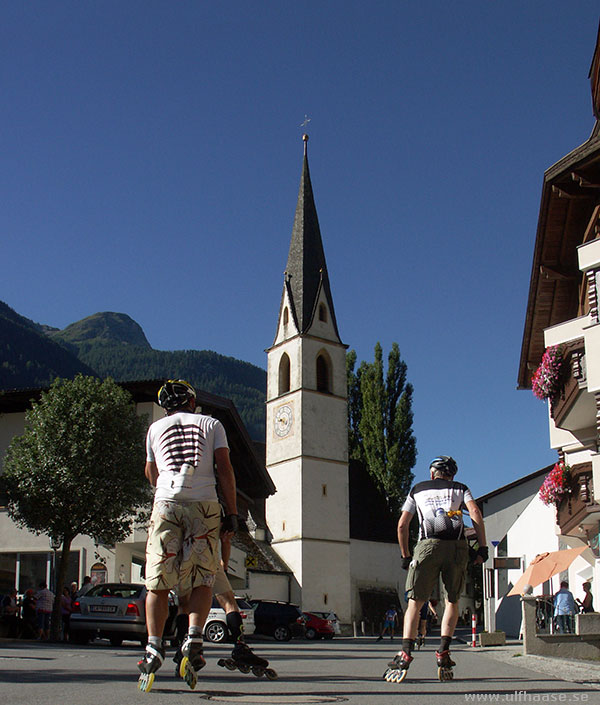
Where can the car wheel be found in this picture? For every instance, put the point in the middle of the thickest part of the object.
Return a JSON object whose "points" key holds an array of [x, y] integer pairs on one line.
{"points": [[215, 632], [282, 633], [311, 633], [116, 641]]}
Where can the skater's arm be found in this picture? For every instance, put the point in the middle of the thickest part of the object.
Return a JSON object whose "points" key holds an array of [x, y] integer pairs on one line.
{"points": [[225, 550], [151, 472], [226, 480], [477, 519], [403, 527]]}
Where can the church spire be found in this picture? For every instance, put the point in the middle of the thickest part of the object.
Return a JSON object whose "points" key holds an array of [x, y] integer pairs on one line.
{"points": [[306, 271]]}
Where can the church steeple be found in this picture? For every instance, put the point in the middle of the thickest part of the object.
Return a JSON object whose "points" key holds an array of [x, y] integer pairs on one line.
{"points": [[306, 271]]}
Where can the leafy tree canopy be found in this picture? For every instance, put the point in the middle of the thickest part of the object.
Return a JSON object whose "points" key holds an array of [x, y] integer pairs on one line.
{"points": [[380, 422], [78, 467]]}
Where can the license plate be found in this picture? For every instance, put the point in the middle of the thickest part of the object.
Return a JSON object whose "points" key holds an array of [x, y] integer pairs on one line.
{"points": [[103, 608]]}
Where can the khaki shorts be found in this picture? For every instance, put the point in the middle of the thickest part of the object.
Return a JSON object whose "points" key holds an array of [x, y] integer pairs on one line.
{"points": [[183, 545], [435, 557]]}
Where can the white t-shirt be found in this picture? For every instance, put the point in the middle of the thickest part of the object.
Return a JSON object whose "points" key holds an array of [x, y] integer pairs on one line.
{"points": [[182, 445], [439, 505]]}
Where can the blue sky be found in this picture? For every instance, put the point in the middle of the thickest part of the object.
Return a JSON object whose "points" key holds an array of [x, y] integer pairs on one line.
{"points": [[151, 158]]}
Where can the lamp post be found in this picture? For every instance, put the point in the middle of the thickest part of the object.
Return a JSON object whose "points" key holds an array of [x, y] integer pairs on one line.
{"points": [[55, 544]]}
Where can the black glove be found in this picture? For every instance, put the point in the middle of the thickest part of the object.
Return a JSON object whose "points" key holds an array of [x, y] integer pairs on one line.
{"points": [[484, 552], [229, 523], [406, 562]]}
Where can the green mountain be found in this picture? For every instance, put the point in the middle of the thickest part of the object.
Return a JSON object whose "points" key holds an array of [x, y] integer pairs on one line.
{"points": [[28, 357], [114, 345]]}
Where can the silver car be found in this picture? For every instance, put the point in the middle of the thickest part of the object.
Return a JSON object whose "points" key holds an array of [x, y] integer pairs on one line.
{"points": [[114, 611]]}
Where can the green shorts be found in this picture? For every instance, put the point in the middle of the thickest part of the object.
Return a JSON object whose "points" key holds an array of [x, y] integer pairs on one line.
{"points": [[435, 557], [183, 545]]}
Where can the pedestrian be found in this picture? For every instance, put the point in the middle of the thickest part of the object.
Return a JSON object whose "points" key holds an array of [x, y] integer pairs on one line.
{"points": [[29, 615], [73, 591], [426, 617], [66, 607], [390, 620], [86, 586], [441, 550], [587, 604], [10, 614], [182, 451], [44, 602], [564, 609]]}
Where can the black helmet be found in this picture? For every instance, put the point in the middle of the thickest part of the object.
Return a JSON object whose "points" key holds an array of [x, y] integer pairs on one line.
{"points": [[445, 464], [175, 393]]}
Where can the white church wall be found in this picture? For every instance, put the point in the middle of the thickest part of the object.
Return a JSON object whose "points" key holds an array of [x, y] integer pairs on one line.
{"points": [[374, 566], [284, 508], [322, 416], [281, 448], [325, 500], [325, 584], [337, 355], [268, 586]]}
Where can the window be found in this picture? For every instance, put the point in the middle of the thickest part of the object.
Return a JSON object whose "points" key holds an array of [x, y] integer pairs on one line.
{"points": [[323, 374], [284, 374], [323, 312], [286, 316]]}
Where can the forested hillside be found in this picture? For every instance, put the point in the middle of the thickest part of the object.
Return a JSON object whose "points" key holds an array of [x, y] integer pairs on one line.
{"points": [[28, 358], [113, 345]]}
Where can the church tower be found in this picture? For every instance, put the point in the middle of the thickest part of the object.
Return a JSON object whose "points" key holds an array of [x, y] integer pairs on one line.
{"points": [[307, 423]]}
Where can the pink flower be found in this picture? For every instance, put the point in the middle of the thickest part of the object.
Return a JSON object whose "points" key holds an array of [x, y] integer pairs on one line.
{"points": [[547, 379]]}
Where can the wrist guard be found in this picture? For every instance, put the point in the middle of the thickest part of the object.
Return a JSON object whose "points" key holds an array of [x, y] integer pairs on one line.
{"points": [[406, 562], [229, 523], [484, 552]]}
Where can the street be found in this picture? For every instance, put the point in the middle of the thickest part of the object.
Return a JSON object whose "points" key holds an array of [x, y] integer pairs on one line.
{"points": [[342, 670]]}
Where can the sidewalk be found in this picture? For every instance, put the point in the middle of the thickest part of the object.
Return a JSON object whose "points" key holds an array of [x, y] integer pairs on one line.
{"points": [[572, 671]]}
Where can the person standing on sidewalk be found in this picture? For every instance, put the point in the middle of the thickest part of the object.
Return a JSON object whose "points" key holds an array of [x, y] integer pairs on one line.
{"points": [[182, 451], [564, 608], [441, 550]]}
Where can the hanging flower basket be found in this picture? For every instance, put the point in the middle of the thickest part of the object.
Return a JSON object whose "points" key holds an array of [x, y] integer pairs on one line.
{"points": [[557, 484], [548, 381]]}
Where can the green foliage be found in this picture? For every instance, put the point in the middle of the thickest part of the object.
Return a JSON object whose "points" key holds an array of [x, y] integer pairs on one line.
{"points": [[380, 422], [29, 357], [78, 467]]}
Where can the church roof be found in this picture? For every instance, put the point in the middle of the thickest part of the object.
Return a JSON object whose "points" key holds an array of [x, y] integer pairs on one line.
{"points": [[306, 271]]}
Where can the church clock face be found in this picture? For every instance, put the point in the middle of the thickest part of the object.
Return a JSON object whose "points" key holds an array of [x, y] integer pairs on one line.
{"points": [[284, 417]]}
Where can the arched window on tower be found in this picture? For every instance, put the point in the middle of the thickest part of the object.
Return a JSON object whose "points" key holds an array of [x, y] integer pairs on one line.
{"points": [[286, 316], [323, 312], [284, 374], [323, 373]]}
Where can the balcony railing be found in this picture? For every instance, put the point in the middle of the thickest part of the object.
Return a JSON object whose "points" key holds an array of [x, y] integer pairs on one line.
{"points": [[575, 381], [576, 507]]}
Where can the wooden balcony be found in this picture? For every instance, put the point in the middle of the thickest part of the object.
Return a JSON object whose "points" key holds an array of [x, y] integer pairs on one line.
{"points": [[573, 391], [578, 508]]}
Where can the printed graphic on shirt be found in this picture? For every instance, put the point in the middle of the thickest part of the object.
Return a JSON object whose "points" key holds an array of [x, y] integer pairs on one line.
{"points": [[439, 504], [182, 445]]}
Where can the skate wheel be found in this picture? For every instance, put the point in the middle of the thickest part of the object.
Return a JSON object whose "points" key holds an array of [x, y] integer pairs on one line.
{"points": [[271, 674], [187, 672], [244, 668], [445, 674], [145, 682], [258, 672]]}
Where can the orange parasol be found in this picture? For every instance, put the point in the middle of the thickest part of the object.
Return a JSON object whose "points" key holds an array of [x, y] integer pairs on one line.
{"points": [[544, 566]]}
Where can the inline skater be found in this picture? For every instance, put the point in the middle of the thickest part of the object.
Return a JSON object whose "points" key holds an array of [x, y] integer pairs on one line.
{"points": [[441, 550], [182, 451]]}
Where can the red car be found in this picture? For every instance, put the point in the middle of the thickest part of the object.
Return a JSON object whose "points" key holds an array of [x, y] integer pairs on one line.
{"points": [[317, 627]]}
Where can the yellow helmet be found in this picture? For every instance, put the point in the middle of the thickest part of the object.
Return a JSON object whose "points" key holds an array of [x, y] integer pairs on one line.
{"points": [[175, 393]]}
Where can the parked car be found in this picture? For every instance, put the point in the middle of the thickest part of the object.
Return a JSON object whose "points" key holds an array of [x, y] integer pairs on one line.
{"points": [[216, 630], [317, 627], [114, 611], [281, 620], [332, 617]]}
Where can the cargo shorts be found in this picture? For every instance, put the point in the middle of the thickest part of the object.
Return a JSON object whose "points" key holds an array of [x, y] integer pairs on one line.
{"points": [[435, 557], [183, 545]]}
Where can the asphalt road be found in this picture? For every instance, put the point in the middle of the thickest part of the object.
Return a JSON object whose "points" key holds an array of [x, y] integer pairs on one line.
{"points": [[342, 670]]}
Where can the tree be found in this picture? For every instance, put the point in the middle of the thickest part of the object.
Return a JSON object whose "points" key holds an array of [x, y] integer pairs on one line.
{"points": [[78, 467], [380, 422]]}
